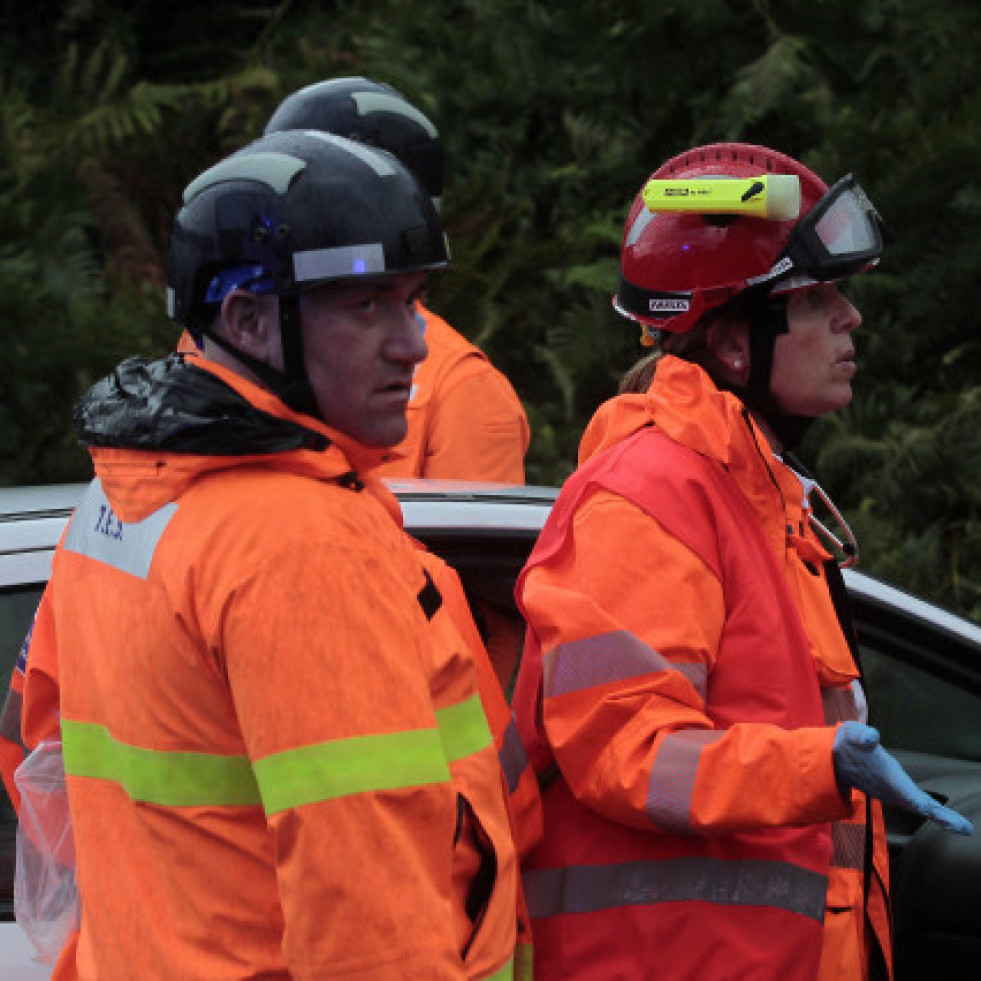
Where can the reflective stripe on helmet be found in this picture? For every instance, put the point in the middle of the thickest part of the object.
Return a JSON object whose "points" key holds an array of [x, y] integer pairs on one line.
{"points": [[375, 159], [339, 262], [369, 102], [275, 170]]}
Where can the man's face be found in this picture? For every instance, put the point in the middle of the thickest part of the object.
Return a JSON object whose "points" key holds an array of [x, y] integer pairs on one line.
{"points": [[814, 362], [361, 343]]}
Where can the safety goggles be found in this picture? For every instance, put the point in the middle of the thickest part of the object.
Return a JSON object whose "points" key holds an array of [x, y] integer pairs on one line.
{"points": [[841, 235]]}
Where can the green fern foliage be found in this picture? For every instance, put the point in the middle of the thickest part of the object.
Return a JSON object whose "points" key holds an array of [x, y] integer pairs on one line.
{"points": [[552, 116]]}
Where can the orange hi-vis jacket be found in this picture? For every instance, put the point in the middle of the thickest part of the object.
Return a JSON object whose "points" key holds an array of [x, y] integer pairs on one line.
{"points": [[683, 670], [465, 420], [519, 780], [278, 762]]}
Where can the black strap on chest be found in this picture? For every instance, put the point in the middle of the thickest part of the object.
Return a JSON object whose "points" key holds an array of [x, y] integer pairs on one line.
{"points": [[843, 610]]}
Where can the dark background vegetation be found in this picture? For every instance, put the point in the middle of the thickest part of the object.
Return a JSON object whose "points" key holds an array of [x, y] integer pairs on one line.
{"points": [[552, 116]]}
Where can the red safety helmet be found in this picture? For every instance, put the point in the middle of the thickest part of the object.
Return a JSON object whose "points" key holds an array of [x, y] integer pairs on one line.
{"points": [[676, 266]]}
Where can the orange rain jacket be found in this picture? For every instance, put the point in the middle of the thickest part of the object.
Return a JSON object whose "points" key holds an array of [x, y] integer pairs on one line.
{"points": [[278, 762], [683, 670], [465, 420]]}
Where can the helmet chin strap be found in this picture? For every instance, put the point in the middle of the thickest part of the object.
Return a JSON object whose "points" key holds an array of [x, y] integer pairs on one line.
{"points": [[767, 320], [297, 394], [291, 386]]}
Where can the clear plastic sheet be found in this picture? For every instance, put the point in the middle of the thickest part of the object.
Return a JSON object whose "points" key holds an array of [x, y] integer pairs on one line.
{"points": [[46, 902]]}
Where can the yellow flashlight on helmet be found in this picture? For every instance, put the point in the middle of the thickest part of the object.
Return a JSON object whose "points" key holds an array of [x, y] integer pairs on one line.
{"points": [[772, 196]]}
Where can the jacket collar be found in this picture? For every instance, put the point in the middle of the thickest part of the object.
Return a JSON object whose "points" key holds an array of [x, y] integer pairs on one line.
{"points": [[139, 481], [683, 401]]}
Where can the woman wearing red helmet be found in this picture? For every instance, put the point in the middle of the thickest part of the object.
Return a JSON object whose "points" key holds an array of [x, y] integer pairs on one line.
{"points": [[689, 692]]}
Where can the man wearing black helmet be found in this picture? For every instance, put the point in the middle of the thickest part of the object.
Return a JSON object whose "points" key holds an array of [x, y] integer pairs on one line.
{"points": [[278, 764], [464, 419]]}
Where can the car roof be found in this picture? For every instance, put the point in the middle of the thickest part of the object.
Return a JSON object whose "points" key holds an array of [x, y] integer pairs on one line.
{"points": [[17, 503], [875, 592], [447, 506]]}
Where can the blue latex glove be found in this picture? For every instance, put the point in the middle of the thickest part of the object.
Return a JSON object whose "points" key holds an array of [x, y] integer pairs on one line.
{"points": [[862, 763]]}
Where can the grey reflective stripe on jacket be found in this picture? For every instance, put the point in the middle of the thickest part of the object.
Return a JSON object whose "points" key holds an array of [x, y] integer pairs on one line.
{"points": [[839, 705], [96, 532], [672, 779], [590, 889], [512, 756], [616, 656], [849, 845], [849, 840]]}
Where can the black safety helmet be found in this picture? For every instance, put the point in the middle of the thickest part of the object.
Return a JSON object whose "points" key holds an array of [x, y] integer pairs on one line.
{"points": [[369, 112], [287, 213]]}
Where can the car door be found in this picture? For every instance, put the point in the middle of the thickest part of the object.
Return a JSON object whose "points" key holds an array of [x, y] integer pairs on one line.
{"points": [[922, 670]]}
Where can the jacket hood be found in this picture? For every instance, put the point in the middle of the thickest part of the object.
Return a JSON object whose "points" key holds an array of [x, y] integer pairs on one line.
{"points": [[153, 427], [174, 404], [683, 401]]}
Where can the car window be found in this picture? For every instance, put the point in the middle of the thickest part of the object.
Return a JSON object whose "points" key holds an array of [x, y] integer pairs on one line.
{"points": [[17, 607], [488, 567], [914, 709]]}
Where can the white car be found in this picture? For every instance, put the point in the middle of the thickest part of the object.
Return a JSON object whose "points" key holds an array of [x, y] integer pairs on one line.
{"points": [[922, 670]]}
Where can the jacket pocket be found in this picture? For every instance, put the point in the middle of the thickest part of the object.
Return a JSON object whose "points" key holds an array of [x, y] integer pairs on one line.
{"points": [[474, 873]]}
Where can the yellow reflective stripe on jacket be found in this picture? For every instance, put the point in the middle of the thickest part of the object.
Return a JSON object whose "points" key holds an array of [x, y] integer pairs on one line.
{"points": [[524, 962], [157, 777], [343, 767], [463, 729], [292, 778], [370, 763], [506, 973]]}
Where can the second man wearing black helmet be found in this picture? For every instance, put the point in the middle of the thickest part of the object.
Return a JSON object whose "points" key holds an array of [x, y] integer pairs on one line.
{"points": [[464, 419]]}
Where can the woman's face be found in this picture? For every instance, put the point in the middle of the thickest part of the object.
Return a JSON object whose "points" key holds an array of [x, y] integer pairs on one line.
{"points": [[814, 362]]}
